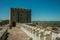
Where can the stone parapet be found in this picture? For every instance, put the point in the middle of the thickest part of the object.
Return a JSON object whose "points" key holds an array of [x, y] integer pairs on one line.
{"points": [[41, 33], [3, 33]]}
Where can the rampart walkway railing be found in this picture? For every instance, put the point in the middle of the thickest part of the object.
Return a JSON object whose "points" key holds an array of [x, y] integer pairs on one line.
{"points": [[40, 34], [3, 33]]}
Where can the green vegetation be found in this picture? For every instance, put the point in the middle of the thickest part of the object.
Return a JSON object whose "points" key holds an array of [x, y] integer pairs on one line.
{"points": [[48, 23], [4, 22], [31, 39]]}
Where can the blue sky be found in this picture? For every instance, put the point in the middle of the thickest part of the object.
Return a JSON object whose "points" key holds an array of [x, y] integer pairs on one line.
{"points": [[42, 10]]}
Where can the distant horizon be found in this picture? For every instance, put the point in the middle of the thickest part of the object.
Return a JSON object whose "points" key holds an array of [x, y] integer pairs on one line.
{"points": [[42, 10], [8, 19]]}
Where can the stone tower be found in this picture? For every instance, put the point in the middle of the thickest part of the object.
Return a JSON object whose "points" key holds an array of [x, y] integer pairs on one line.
{"points": [[20, 15]]}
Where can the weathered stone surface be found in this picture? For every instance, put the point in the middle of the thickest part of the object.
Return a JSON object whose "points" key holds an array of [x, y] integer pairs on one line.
{"points": [[3, 33], [17, 34]]}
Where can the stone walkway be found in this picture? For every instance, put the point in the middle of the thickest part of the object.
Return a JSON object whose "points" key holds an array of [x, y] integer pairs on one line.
{"points": [[17, 34]]}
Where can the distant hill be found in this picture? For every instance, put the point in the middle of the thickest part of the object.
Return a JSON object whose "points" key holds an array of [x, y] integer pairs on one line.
{"points": [[47, 23], [4, 22]]}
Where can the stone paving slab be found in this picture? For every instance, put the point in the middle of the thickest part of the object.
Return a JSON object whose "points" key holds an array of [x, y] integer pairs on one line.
{"points": [[17, 34]]}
